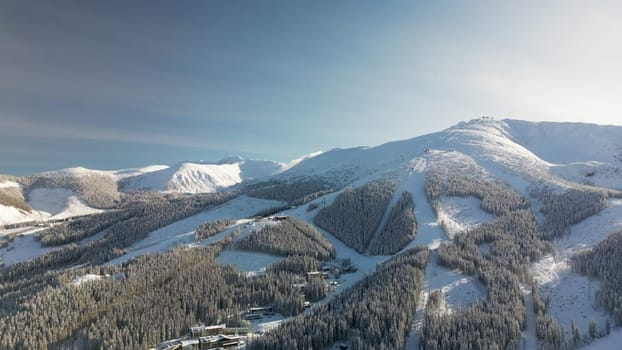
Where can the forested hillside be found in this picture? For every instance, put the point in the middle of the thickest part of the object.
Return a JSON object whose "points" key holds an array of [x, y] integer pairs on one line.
{"points": [[562, 209], [400, 229], [157, 297], [356, 213], [375, 313], [295, 191], [288, 237], [514, 241], [97, 190], [604, 262]]}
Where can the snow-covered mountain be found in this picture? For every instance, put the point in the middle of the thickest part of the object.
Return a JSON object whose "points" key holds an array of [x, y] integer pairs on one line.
{"points": [[520, 152], [496, 157], [198, 177], [583, 153]]}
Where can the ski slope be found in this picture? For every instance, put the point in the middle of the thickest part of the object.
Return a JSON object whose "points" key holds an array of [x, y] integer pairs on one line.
{"points": [[572, 295], [58, 203], [182, 232]]}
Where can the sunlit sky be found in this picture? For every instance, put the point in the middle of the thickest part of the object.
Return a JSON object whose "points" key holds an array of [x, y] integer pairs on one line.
{"points": [[117, 84]]}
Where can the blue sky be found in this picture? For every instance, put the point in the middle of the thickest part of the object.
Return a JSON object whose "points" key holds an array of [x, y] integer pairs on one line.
{"points": [[115, 84]]}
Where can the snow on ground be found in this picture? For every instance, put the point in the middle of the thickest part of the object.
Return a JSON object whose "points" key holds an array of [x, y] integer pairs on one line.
{"points": [[251, 263], [267, 323], [294, 162], [459, 292], [459, 214], [196, 178], [530, 341], [590, 173], [11, 215], [366, 264], [9, 184], [84, 279], [611, 342], [122, 174], [59, 203], [23, 247], [572, 294], [182, 232], [572, 298], [75, 171], [429, 232], [200, 176], [568, 142]]}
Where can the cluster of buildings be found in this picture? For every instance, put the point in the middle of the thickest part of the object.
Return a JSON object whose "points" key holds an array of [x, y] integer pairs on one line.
{"points": [[256, 313], [208, 337]]}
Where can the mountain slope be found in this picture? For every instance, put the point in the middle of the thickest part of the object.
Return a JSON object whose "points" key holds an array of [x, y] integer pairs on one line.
{"points": [[502, 146], [200, 177]]}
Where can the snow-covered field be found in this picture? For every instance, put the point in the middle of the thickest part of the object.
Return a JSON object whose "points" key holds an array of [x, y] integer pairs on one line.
{"points": [[459, 292], [85, 279], [572, 298], [249, 262], [459, 214], [611, 342], [59, 203], [572, 295], [23, 247], [267, 323], [592, 173], [10, 215]]}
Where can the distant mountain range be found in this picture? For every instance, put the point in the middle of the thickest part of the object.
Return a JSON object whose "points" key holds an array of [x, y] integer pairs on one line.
{"points": [[511, 149]]}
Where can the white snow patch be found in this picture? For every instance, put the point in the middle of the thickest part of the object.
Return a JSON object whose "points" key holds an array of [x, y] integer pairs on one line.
{"points": [[251, 263], [10, 215], [459, 292], [590, 173], [200, 176], [297, 161], [23, 247], [75, 172], [9, 184], [267, 323], [197, 178], [59, 203], [530, 341], [84, 279], [460, 214], [572, 298], [124, 173]]}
